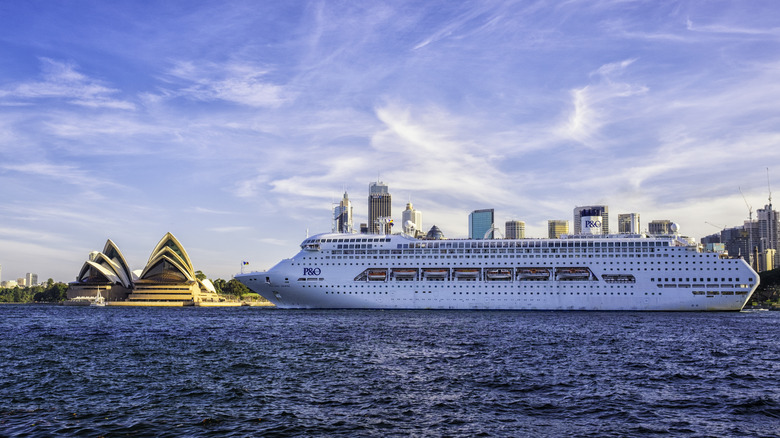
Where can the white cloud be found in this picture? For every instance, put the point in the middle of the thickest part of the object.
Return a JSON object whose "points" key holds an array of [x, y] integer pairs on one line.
{"points": [[595, 105], [62, 81], [238, 83]]}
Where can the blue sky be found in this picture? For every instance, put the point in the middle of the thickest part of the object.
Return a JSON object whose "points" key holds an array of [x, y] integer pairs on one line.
{"points": [[236, 125]]}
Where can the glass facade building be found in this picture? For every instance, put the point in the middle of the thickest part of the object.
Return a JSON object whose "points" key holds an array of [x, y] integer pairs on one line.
{"points": [[514, 230], [379, 209], [555, 228], [480, 222]]}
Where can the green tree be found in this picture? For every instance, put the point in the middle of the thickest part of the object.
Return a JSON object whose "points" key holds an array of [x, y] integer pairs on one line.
{"points": [[235, 287], [219, 285], [52, 294], [200, 275]]}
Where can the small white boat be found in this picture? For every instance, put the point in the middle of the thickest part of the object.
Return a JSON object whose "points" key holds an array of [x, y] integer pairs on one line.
{"points": [[99, 300]]}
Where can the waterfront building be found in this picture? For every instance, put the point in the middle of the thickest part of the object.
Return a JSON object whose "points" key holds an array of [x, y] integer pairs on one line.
{"points": [[411, 221], [660, 227], [628, 223], [514, 229], [481, 224], [104, 273], [342, 216], [31, 279], [169, 276], [592, 211], [379, 209], [557, 228]]}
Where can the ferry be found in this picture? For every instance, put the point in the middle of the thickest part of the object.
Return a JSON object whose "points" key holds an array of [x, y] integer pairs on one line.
{"points": [[578, 272]]}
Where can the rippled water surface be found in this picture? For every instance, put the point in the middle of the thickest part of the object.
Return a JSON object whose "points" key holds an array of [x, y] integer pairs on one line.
{"points": [[250, 371]]}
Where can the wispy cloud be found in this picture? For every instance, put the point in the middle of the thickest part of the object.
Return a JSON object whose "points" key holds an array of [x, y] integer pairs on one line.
{"points": [[731, 29], [62, 174], [244, 84], [593, 105], [63, 81]]}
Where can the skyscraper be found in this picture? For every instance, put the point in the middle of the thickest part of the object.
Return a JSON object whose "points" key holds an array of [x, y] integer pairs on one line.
{"points": [[768, 231], [591, 211], [480, 222], [342, 216], [412, 217], [379, 209], [557, 227], [514, 230], [31, 279], [628, 223]]}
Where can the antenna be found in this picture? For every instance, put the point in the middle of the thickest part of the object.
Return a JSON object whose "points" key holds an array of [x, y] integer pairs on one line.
{"points": [[769, 188]]}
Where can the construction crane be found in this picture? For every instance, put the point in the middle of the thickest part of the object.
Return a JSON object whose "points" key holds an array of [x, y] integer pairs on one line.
{"points": [[769, 188], [716, 226], [750, 230], [750, 207]]}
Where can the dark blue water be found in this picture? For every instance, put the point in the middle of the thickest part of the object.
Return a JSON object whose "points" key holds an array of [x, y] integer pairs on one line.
{"points": [[265, 372]]}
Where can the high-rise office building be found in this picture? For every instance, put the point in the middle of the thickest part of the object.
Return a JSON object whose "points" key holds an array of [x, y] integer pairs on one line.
{"points": [[555, 228], [514, 230], [411, 220], [768, 232], [31, 279], [481, 224], [379, 209], [342, 216], [628, 223], [591, 211]]}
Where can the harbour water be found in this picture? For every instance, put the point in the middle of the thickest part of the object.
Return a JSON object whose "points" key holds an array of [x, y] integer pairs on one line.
{"points": [[85, 371]]}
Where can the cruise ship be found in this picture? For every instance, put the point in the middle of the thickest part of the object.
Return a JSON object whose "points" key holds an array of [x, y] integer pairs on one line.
{"points": [[578, 272]]}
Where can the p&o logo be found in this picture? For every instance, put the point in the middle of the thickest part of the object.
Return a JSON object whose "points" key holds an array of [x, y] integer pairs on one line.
{"points": [[592, 224], [312, 271]]}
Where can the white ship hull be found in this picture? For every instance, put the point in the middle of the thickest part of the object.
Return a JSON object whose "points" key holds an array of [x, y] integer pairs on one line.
{"points": [[578, 273]]}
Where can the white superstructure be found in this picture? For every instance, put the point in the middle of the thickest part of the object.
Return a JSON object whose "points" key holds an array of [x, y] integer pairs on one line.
{"points": [[594, 272]]}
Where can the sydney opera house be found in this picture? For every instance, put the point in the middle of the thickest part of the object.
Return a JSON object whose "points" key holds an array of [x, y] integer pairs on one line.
{"points": [[167, 279]]}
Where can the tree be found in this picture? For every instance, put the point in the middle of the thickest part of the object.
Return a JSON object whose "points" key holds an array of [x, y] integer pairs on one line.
{"points": [[219, 285], [235, 287], [52, 294], [200, 275]]}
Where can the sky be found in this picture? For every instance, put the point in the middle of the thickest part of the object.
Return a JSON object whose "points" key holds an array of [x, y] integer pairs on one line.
{"points": [[236, 125]]}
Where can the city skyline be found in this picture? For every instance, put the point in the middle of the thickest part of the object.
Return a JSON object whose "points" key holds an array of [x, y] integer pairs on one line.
{"points": [[238, 126]]}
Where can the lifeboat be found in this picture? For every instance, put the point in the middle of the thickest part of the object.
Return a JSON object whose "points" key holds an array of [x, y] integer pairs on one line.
{"points": [[435, 273], [533, 273], [466, 273], [572, 273], [404, 273], [377, 275], [498, 274]]}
